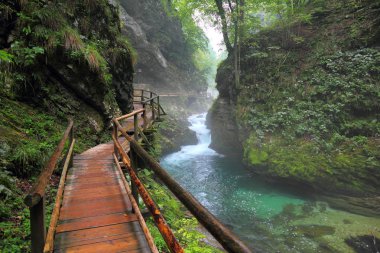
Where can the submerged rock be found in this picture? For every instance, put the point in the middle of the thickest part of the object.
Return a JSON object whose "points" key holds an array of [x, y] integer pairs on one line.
{"points": [[364, 244], [314, 231]]}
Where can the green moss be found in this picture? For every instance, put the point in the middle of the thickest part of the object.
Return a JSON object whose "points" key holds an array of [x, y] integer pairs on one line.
{"points": [[257, 156], [297, 161], [253, 152], [351, 166]]}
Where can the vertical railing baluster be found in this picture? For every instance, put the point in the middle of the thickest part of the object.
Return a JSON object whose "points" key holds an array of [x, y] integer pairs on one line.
{"points": [[115, 133], [158, 108], [152, 105], [71, 162], [134, 163], [37, 226], [144, 117], [135, 127]]}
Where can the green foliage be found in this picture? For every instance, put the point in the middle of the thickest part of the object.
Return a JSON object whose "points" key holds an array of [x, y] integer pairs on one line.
{"points": [[203, 56], [183, 226], [5, 56], [39, 135], [15, 235], [194, 35], [25, 56], [206, 63], [343, 85], [14, 221]]}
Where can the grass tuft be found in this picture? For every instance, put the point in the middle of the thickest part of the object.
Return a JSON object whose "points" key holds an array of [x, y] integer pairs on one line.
{"points": [[72, 40], [92, 57]]}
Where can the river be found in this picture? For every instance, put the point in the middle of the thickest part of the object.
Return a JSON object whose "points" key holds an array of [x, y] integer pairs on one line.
{"points": [[266, 217]]}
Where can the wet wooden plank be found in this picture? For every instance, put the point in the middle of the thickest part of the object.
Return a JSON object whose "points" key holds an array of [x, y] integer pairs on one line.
{"points": [[83, 179], [93, 196], [98, 209], [131, 238], [84, 185], [66, 238], [93, 222], [114, 189], [92, 174], [111, 246], [88, 199]]}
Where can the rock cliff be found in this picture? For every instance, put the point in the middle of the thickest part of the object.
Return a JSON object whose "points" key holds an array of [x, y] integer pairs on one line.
{"points": [[164, 59]]}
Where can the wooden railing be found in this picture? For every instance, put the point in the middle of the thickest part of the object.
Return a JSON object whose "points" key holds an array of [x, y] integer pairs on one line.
{"points": [[131, 163], [35, 200], [137, 158], [149, 99]]}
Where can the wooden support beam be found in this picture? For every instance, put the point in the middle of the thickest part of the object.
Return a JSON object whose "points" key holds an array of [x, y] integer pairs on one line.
{"points": [[37, 225]]}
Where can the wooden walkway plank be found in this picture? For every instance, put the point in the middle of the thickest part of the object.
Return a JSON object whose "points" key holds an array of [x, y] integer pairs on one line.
{"points": [[97, 221]]}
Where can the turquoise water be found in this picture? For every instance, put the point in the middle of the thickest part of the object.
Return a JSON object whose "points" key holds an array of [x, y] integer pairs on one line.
{"points": [[267, 218]]}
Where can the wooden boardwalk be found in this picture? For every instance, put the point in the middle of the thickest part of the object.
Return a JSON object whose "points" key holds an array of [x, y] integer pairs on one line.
{"points": [[96, 213]]}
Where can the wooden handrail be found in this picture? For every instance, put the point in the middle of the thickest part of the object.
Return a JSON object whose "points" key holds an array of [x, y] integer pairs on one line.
{"points": [[38, 190], [130, 114], [148, 100], [35, 199], [221, 233], [49, 242], [148, 97], [143, 90], [158, 218]]}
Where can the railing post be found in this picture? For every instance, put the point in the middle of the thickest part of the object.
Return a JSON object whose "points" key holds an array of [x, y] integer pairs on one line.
{"points": [[152, 106], [71, 162], [134, 163], [136, 127], [144, 117], [37, 226], [158, 108], [142, 95], [115, 133]]}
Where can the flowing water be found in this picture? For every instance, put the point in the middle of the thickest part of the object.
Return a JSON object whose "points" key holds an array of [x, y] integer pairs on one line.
{"points": [[267, 218]]}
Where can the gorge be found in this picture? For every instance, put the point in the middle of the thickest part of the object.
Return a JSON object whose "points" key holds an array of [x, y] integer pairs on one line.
{"points": [[287, 156]]}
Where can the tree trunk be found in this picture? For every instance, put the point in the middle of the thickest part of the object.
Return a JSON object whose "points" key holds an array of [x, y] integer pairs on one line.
{"points": [[241, 34], [222, 15], [236, 17]]}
